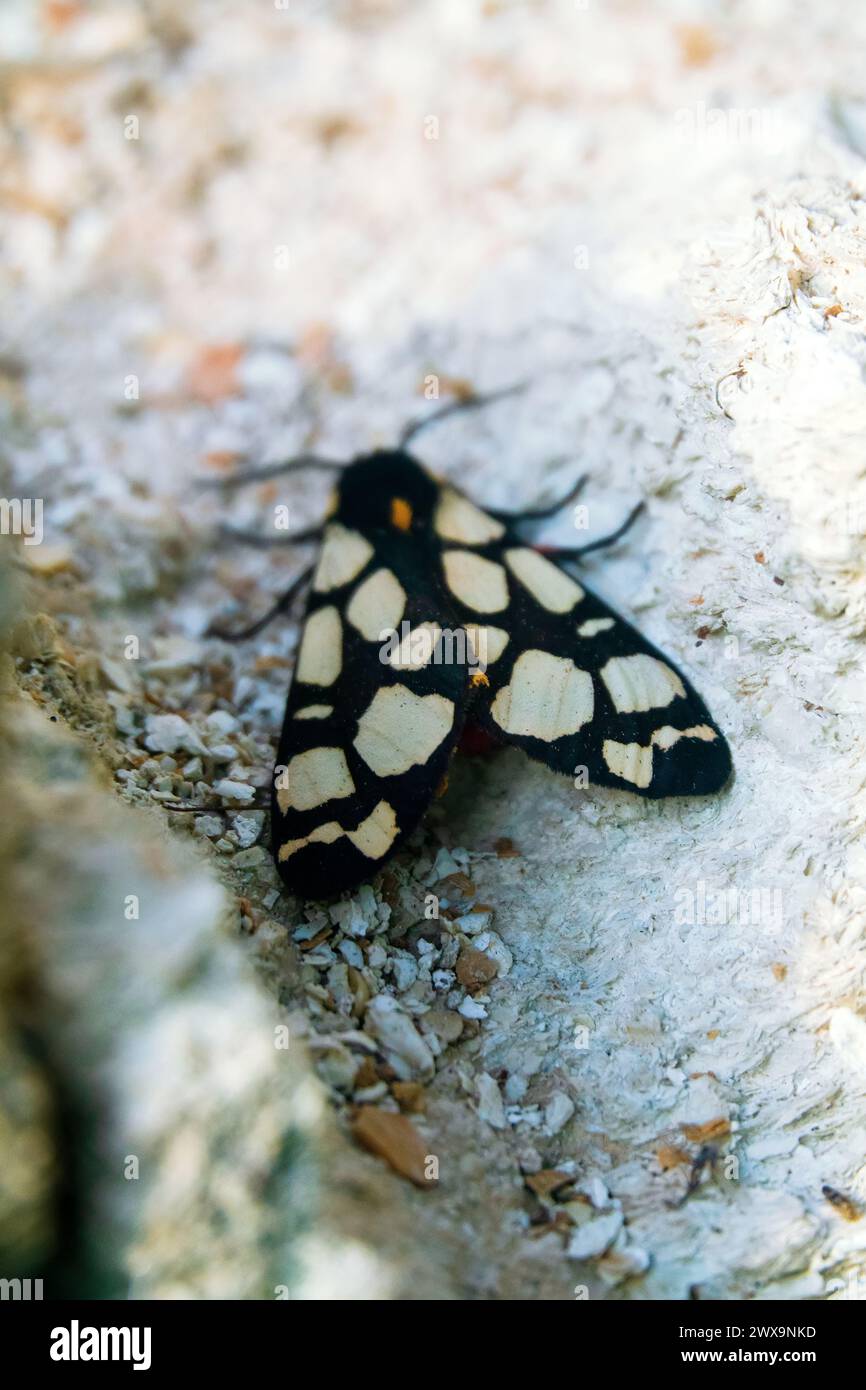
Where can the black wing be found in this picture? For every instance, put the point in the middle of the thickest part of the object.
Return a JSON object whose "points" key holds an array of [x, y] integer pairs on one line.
{"points": [[370, 725], [570, 681]]}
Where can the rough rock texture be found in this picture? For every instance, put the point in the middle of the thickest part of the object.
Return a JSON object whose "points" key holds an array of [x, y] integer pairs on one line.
{"points": [[656, 216]]}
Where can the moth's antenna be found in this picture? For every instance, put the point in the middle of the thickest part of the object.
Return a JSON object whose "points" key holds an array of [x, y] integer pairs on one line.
{"points": [[474, 402], [271, 470]]}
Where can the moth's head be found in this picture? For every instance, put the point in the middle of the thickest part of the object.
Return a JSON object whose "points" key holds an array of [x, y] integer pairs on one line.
{"points": [[387, 490]]}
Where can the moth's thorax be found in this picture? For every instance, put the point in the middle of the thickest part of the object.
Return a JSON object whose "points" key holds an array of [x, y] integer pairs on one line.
{"points": [[387, 490]]}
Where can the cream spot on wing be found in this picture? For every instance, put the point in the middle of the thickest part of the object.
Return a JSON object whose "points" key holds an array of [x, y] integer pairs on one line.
{"points": [[630, 761], [375, 835], [321, 656], [399, 729], [344, 554], [314, 777], [417, 648], [322, 835], [458, 519], [479, 583], [666, 737], [488, 643], [640, 683], [593, 626], [313, 712], [377, 605], [551, 586], [546, 698], [634, 761]]}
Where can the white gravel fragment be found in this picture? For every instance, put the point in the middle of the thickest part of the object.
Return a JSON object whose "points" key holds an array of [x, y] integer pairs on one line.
{"points": [[211, 826], [351, 953], [443, 865], [402, 1044], [470, 1009], [490, 1107], [248, 828], [557, 1112], [443, 979], [222, 752], [515, 1087], [350, 917], [597, 1192], [405, 970], [221, 722], [234, 791], [166, 733], [596, 1236], [471, 923]]}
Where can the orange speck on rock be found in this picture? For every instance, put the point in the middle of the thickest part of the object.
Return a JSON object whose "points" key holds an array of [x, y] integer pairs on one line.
{"points": [[711, 1130], [212, 375], [670, 1156], [698, 44]]}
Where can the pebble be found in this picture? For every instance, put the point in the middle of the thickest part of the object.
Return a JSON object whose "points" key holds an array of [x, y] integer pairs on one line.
{"points": [[395, 1139], [491, 943], [234, 791], [350, 918], [475, 969], [593, 1238], [403, 1046], [515, 1087], [166, 733], [557, 1112], [212, 826], [352, 953], [248, 827], [222, 752], [470, 1009], [221, 722], [338, 1068], [471, 923], [249, 858], [405, 970], [174, 656], [443, 979], [490, 1107]]}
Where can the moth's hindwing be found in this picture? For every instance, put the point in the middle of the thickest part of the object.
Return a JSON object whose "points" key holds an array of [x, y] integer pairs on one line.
{"points": [[574, 684], [370, 723]]}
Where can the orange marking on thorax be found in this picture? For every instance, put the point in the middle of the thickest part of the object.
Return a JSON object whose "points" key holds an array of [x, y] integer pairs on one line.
{"points": [[478, 678], [401, 513]]}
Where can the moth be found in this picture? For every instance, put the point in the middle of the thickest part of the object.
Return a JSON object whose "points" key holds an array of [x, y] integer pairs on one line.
{"points": [[430, 617]]}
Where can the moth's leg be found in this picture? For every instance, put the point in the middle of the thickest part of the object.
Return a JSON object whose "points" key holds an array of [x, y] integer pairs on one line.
{"points": [[574, 552], [541, 513], [270, 470], [255, 538], [282, 604], [255, 805], [474, 402]]}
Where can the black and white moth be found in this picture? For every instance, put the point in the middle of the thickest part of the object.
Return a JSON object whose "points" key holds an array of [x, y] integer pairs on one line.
{"points": [[490, 632]]}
